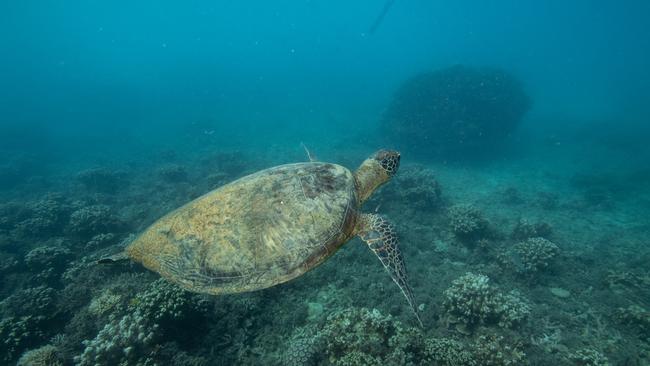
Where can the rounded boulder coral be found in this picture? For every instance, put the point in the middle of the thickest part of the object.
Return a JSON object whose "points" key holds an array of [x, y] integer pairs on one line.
{"points": [[456, 111]]}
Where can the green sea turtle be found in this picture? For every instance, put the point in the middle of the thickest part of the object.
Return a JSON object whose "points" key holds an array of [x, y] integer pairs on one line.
{"points": [[270, 227]]}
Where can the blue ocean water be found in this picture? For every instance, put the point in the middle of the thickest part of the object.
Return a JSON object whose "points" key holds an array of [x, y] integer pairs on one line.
{"points": [[523, 186]]}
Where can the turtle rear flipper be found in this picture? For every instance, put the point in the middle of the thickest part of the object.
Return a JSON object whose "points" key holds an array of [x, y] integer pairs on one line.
{"points": [[381, 238]]}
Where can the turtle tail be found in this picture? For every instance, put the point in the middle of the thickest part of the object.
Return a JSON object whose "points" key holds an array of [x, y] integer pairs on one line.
{"points": [[114, 259]]}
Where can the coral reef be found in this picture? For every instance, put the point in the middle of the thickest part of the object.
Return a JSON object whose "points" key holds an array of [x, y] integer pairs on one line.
{"points": [[589, 357], [37, 219], [467, 222], [493, 350], [164, 302], [17, 334], [525, 229], [100, 241], [301, 349], [472, 300], [356, 336], [106, 303], [534, 255], [45, 257], [38, 300], [173, 173], [128, 340], [11, 213], [416, 186], [47, 355], [636, 317], [102, 180], [455, 111], [590, 307], [161, 310], [91, 220], [447, 352]]}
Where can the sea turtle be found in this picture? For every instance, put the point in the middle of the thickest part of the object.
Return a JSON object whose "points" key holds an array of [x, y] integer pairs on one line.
{"points": [[270, 227]]}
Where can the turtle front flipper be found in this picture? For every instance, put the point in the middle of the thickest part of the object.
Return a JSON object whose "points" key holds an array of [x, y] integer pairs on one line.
{"points": [[381, 238]]}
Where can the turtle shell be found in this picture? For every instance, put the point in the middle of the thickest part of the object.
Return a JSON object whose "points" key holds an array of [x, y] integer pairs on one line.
{"points": [[256, 232]]}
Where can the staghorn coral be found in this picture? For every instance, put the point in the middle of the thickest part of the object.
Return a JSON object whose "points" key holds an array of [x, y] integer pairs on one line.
{"points": [[467, 222], [47, 355], [472, 300]]}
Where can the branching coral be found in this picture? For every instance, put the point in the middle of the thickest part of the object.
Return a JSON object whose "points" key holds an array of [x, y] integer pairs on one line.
{"points": [[46, 218], [164, 302], [467, 222], [492, 350], [589, 357], [534, 255], [47, 355], [37, 300], [447, 352], [366, 337], [94, 219], [128, 340], [636, 317], [18, 333], [472, 300]]}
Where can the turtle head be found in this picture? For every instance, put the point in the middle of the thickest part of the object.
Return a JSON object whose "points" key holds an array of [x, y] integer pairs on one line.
{"points": [[388, 160], [375, 171]]}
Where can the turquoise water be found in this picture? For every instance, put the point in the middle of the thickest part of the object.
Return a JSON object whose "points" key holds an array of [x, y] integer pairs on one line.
{"points": [[521, 202]]}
